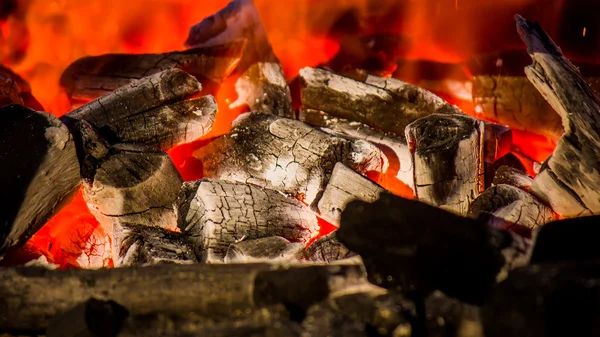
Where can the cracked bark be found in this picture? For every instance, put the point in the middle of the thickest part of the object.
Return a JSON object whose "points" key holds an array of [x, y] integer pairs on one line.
{"points": [[569, 181], [384, 104], [327, 249], [394, 147], [511, 208], [203, 289], [151, 111], [215, 214], [285, 155], [447, 154], [40, 172], [91, 77], [267, 249], [261, 84], [132, 185], [344, 186]]}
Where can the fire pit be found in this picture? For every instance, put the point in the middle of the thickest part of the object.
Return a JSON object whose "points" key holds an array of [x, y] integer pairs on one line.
{"points": [[325, 176]]}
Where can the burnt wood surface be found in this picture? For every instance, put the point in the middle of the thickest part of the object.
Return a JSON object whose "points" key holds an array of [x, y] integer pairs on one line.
{"points": [[267, 249], [327, 249], [91, 77], [15, 90], [261, 84], [569, 180], [151, 111], [215, 214], [40, 172], [285, 155], [447, 155], [203, 289], [375, 105], [512, 176]]}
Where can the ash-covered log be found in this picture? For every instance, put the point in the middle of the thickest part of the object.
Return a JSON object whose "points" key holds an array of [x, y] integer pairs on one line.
{"points": [[510, 208], [327, 249], [203, 289], [569, 180], [40, 172], [216, 213], [394, 147], [417, 248], [91, 77], [151, 111], [511, 176], [555, 299], [285, 155], [344, 186], [389, 110], [267, 249], [447, 155], [261, 85]]}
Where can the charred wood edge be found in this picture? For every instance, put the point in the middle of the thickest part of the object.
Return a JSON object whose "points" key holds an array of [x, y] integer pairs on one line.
{"points": [[344, 186], [94, 76], [371, 104], [151, 111], [41, 172], [132, 185], [215, 214], [569, 181], [285, 155], [261, 85], [14, 89], [497, 141], [512, 176], [204, 289], [393, 146], [271, 248], [327, 249], [447, 155]]}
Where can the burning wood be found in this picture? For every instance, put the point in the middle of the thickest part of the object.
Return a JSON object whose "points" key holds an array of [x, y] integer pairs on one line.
{"points": [[261, 86], [569, 180], [267, 249], [15, 90], [371, 103], [511, 208], [151, 111], [511, 176], [497, 144], [203, 289], [327, 249], [215, 214], [285, 155], [447, 154], [344, 186], [94, 76], [40, 172]]}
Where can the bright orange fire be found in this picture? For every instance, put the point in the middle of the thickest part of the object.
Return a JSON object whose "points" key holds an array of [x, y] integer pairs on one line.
{"points": [[43, 37]]}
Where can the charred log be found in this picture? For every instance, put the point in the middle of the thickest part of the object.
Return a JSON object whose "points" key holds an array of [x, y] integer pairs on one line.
{"points": [[569, 180], [447, 155], [389, 110], [284, 155], [15, 90], [262, 85], [511, 176], [151, 111], [272, 248], [215, 214], [203, 289], [40, 174], [344, 186], [91, 77], [89, 319], [327, 249]]}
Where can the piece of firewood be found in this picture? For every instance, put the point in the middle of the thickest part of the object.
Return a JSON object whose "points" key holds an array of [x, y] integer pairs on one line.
{"points": [[267, 249], [89, 319], [327, 249], [147, 245], [261, 85], [344, 186], [569, 180], [91, 77], [15, 90], [40, 172], [285, 155], [374, 105], [394, 147], [447, 154], [510, 208], [512, 176], [151, 111], [215, 214], [167, 289], [417, 248], [497, 142]]}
